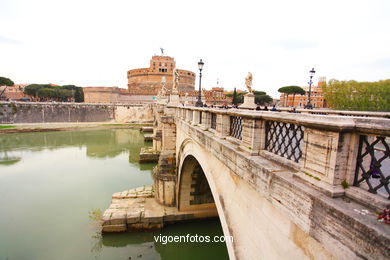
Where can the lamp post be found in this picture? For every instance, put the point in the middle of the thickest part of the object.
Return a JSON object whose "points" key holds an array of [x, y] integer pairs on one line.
{"points": [[309, 105], [199, 103]]}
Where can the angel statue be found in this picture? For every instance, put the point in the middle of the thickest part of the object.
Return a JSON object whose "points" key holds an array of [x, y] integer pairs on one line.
{"points": [[176, 79], [163, 91], [248, 82]]}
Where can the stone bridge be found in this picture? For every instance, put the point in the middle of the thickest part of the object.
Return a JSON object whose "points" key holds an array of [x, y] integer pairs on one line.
{"points": [[284, 185]]}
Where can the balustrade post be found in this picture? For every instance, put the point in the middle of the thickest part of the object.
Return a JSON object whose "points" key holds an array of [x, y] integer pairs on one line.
{"points": [[251, 138], [223, 125], [196, 117], [328, 159], [205, 120], [189, 115]]}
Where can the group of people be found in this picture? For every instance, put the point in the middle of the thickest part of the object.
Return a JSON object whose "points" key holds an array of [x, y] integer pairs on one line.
{"points": [[259, 108], [266, 108]]}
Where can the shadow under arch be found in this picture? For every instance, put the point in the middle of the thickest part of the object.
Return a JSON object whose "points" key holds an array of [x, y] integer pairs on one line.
{"points": [[194, 192], [190, 152]]}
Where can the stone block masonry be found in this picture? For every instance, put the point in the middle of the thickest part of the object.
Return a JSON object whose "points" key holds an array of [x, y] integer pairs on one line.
{"points": [[136, 209], [29, 112]]}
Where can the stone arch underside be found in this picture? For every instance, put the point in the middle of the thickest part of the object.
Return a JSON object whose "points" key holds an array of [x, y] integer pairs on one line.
{"points": [[194, 190], [188, 159], [260, 229]]}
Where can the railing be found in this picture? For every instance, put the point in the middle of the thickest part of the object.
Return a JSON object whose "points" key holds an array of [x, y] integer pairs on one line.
{"points": [[236, 127], [317, 147], [213, 123], [373, 164], [338, 112], [200, 117], [284, 139]]}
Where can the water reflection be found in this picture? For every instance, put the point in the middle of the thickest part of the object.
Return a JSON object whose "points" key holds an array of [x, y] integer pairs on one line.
{"points": [[143, 244], [6, 159], [100, 144]]}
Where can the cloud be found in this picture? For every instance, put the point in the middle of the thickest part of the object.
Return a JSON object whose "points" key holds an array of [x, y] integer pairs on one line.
{"points": [[295, 44], [5, 40]]}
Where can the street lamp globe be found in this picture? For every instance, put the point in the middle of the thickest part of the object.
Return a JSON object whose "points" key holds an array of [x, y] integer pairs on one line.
{"points": [[200, 64], [312, 72]]}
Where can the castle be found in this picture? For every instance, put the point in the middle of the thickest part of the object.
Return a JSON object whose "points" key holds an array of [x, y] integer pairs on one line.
{"points": [[143, 84]]}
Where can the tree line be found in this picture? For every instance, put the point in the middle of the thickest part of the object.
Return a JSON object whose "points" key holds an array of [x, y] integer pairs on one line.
{"points": [[63, 93], [361, 96]]}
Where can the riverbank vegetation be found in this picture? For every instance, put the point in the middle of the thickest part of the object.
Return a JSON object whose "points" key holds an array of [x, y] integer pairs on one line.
{"points": [[48, 92]]}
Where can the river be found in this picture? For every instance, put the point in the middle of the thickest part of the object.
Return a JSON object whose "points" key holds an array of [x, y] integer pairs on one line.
{"points": [[51, 181]]}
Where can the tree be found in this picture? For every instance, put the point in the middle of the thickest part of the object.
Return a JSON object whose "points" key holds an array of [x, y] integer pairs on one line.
{"points": [[79, 95], [32, 90], [45, 93], [263, 99], [235, 102], [296, 90], [361, 96], [291, 90], [286, 91], [6, 82]]}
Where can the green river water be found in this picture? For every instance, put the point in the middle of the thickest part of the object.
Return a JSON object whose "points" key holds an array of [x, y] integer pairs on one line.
{"points": [[50, 181]]}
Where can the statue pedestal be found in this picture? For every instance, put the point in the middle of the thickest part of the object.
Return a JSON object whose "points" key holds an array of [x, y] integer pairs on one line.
{"points": [[249, 102], [162, 100], [174, 100]]}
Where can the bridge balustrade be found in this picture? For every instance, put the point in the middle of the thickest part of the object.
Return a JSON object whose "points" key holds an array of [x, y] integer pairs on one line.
{"points": [[339, 112], [328, 151], [213, 121], [284, 139], [236, 127], [373, 164]]}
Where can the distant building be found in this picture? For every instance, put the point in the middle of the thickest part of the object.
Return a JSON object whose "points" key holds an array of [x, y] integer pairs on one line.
{"points": [[114, 95], [216, 96], [147, 81], [14, 92], [143, 84], [299, 101]]}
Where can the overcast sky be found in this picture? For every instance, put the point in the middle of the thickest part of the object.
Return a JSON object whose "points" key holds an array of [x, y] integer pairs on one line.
{"points": [[94, 43]]}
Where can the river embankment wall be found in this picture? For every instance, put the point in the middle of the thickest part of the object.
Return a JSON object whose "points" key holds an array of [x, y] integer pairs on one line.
{"points": [[31, 112]]}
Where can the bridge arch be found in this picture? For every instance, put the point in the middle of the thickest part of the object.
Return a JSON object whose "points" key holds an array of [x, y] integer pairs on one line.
{"points": [[194, 168], [255, 223]]}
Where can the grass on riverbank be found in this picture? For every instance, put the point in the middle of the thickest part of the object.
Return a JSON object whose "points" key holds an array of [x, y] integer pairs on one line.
{"points": [[7, 126]]}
